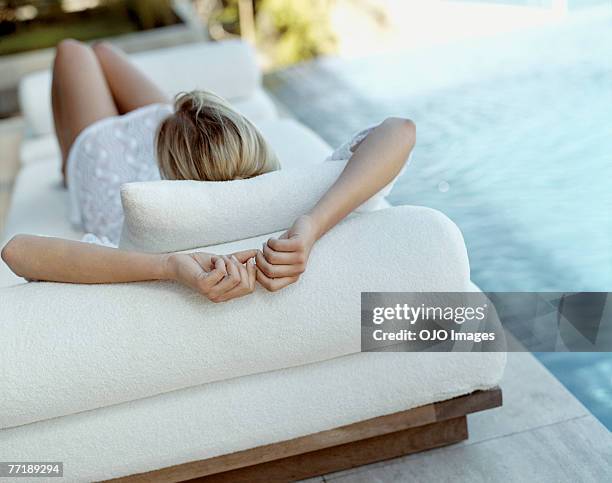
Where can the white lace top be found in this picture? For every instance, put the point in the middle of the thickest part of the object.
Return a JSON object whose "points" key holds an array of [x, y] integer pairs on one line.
{"points": [[119, 150], [106, 154]]}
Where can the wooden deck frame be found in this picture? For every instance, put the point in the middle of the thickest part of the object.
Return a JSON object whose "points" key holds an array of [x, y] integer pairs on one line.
{"points": [[418, 429]]}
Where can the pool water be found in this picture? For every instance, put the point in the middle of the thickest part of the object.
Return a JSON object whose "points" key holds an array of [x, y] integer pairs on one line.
{"points": [[588, 376], [518, 152], [514, 145]]}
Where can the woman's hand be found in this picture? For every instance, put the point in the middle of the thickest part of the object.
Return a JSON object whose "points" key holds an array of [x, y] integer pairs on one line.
{"points": [[218, 277], [282, 260], [375, 162]]}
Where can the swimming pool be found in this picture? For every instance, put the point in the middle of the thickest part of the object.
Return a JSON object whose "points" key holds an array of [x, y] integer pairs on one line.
{"points": [[514, 145]]}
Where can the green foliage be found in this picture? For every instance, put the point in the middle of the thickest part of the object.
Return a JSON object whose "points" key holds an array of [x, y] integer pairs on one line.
{"points": [[288, 31], [41, 36], [52, 23], [300, 29], [228, 16]]}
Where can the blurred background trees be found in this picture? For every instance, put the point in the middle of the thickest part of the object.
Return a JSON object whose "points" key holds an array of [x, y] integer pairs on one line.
{"points": [[35, 24], [293, 30], [149, 14], [286, 31]]}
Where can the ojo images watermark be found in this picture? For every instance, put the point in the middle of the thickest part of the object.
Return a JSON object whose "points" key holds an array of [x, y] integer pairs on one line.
{"points": [[411, 314], [481, 322]]}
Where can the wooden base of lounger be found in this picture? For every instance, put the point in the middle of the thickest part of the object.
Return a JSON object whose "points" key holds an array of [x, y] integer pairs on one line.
{"points": [[356, 444]]}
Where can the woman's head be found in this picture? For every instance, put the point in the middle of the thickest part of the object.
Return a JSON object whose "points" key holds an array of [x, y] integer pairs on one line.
{"points": [[206, 140]]}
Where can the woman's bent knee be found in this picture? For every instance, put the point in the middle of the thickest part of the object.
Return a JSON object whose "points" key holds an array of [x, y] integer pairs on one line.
{"points": [[102, 49], [68, 46], [72, 56]]}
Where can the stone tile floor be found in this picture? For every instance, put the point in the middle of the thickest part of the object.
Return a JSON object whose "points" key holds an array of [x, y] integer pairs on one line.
{"points": [[541, 433]]}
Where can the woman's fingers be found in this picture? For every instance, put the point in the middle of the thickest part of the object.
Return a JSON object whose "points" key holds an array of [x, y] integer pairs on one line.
{"points": [[277, 271], [205, 260], [252, 272], [281, 258], [245, 255], [218, 272], [235, 276], [206, 281], [246, 284], [227, 283], [274, 284], [285, 244]]}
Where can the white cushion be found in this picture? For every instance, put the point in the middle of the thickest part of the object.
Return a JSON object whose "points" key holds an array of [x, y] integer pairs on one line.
{"points": [[90, 346], [238, 414], [228, 68], [37, 148], [294, 144], [168, 216], [39, 204], [257, 107]]}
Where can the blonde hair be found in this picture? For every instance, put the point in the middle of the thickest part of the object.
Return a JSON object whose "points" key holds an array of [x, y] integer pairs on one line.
{"points": [[206, 140]]}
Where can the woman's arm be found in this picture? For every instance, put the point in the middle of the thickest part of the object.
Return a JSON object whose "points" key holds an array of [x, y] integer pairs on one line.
{"points": [[376, 161], [57, 260]]}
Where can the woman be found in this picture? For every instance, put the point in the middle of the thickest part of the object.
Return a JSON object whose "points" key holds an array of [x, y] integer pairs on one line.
{"points": [[114, 125]]}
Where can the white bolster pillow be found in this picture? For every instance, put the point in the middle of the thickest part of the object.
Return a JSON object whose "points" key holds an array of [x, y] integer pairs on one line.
{"points": [[164, 216], [228, 68], [69, 348]]}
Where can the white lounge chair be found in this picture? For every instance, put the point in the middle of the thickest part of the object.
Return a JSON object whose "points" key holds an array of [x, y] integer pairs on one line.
{"points": [[156, 413]]}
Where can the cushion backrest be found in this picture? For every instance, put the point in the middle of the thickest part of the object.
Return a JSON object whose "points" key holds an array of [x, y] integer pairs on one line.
{"points": [[165, 216]]}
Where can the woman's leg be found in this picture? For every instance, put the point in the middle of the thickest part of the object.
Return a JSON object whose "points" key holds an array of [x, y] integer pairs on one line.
{"points": [[130, 87], [80, 95]]}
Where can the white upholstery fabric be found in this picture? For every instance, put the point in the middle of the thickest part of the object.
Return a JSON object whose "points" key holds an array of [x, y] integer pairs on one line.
{"points": [[294, 144], [39, 204], [228, 68], [168, 216], [257, 107], [90, 346], [237, 414], [37, 148]]}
